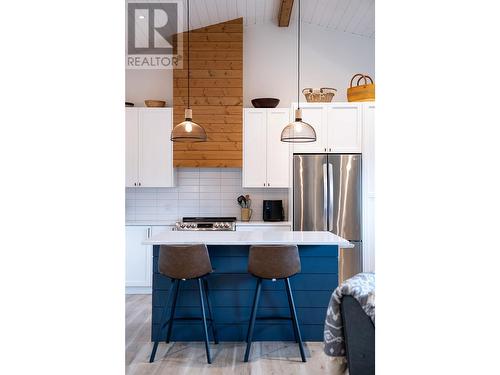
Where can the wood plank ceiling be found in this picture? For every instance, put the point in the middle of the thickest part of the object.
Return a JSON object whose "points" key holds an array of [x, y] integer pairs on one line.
{"points": [[216, 96], [350, 16]]}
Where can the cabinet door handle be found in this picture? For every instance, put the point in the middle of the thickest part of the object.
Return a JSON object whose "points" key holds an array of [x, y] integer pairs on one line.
{"points": [[135, 183], [325, 149], [149, 233], [268, 184], [139, 184], [264, 184], [330, 149]]}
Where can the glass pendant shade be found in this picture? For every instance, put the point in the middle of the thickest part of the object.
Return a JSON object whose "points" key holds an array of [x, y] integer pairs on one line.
{"points": [[298, 131], [187, 130]]}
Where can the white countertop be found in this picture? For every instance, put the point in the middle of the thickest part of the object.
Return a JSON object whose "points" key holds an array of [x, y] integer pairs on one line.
{"points": [[256, 237], [150, 222], [256, 222], [238, 223]]}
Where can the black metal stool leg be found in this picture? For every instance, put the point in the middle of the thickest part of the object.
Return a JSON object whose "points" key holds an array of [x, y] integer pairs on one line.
{"points": [[172, 311], [291, 312], [252, 318], [207, 348], [294, 319], [214, 329], [162, 322]]}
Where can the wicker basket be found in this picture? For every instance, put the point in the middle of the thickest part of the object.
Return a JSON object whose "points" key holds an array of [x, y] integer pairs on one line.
{"points": [[155, 103], [324, 94], [361, 92]]}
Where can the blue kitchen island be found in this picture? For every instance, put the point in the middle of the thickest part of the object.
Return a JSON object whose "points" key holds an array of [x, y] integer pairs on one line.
{"points": [[231, 288]]}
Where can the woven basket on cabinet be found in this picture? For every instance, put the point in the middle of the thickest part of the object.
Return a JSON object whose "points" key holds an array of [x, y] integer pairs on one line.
{"points": [[324, 94], [361, 93]]}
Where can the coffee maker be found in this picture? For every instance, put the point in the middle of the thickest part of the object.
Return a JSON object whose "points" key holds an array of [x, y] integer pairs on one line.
{"points": [[273, 210]]}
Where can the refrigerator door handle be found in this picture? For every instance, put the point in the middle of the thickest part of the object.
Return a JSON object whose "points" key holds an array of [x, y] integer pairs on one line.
{"points": [[330, 196], [325, 199]]}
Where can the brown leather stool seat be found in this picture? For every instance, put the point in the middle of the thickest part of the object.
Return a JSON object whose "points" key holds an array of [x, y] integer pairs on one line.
{"points": [[274, 262], [184, 261], [180, 263]]}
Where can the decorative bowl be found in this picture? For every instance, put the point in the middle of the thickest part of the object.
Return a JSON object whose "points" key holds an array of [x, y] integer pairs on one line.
{"points": [[265, 102]]}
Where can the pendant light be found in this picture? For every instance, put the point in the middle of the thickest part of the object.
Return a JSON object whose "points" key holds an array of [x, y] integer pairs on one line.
{"points": [[188, 130], [298, 131]]}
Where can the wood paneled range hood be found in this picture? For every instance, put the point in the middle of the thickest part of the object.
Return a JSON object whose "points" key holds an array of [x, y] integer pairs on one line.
{"points": [[216, 96]]}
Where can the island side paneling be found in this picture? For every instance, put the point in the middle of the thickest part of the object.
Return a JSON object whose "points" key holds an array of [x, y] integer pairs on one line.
{"points": [[232, 291]]}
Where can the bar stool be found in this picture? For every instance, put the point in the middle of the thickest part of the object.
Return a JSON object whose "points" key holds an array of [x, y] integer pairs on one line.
{"points": [[274, 262], [180, 263]]}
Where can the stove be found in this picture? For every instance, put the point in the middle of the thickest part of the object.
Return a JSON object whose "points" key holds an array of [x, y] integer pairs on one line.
{"points": [[206, 223]]}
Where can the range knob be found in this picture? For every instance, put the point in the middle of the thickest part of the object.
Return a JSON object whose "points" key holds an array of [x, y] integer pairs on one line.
{"points": [[216, 225], [183, 225], [226, 225]]}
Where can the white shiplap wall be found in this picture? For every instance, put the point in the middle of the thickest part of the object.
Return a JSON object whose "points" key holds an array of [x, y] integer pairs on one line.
{"points": [[355, 17], [199, 192], [350, 16]]}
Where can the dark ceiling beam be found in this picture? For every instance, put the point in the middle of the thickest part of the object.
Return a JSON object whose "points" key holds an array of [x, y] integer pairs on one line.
{"points": [[285, 13]]}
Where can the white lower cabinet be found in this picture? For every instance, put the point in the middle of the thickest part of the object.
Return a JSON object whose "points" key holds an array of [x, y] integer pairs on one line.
{"points": [[155, 229], [139, 258]]}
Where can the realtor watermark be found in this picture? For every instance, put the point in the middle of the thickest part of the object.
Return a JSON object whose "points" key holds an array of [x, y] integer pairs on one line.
{"points": [[154, 34]]}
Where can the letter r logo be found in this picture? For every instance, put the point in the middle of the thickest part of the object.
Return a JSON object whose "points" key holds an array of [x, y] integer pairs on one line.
{"points": [[151, 27]]}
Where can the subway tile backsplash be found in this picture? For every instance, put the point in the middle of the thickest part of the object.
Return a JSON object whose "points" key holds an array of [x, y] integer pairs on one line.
{"points": [[199, 192]]}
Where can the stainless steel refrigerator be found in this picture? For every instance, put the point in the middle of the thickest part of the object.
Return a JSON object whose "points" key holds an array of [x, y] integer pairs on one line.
{"points": [[327, 196]]}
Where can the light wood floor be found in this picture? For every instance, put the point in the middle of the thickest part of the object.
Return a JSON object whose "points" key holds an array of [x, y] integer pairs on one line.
{"points": [[227, 358]]}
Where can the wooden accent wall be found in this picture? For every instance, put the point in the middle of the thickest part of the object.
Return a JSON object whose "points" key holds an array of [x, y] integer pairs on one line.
{"points": [[216, 96]]}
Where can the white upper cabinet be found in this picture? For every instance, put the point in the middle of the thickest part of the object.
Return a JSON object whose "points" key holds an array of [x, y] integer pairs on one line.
{"points": [[338, 127], [344, 128], [278, 153], [368, 150], [254, 147], [315, 115], [156, 155], [131, 146], [265, 157], [149, 151]]}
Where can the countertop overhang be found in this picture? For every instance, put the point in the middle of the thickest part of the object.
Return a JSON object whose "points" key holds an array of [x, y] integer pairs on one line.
{"points": [[239, 223], [256, 237]]}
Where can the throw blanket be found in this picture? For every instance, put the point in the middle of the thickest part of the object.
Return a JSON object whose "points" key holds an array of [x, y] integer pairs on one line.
{"points": [[362, 288]]}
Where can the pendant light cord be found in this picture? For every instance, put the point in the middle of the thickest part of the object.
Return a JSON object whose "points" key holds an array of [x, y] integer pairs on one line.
{"points": [[298, 59], [189, 59]]}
